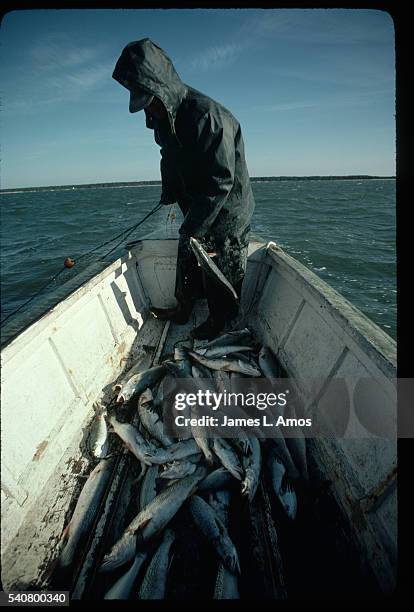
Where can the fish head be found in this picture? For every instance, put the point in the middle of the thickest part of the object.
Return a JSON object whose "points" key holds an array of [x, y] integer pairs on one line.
{"points": [[146, 397], [122, 398], [245, 487], [112, 420], [232, 561], [100, 409]]}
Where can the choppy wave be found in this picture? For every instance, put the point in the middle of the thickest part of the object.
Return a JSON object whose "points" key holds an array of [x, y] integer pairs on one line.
{"points": [[343, 230]]}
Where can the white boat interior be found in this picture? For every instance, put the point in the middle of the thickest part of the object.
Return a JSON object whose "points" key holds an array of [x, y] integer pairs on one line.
{"points": [[56, 368]]}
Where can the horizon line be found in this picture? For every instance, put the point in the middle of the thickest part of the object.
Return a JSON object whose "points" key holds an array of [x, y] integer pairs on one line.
{"points": [[159, 182]]}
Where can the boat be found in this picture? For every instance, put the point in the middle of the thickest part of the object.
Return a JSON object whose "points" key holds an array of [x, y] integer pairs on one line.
{"points": [[54, 370]]}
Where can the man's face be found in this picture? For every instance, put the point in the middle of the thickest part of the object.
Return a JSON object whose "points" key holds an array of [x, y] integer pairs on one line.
{"points": [[139, 99], [157, 108]]}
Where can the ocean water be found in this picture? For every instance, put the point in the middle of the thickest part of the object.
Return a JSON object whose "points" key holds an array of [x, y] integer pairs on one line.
{"points": [[343, 230]]}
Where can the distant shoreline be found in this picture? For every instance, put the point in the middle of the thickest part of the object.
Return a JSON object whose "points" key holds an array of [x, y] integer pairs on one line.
{"points": [[253, 179]]}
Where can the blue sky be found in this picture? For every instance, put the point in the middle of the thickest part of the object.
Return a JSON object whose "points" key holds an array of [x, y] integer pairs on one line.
{"points": [[314, 90]]}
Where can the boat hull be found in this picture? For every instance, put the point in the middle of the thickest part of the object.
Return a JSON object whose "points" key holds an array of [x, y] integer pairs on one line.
{"points": [[56, 368]]}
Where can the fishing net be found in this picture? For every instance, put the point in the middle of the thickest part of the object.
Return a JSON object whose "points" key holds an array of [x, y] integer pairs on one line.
{"points": [[39, 297]]}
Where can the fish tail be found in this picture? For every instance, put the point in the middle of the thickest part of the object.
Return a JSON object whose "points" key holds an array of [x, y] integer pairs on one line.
{"points": [[100, 409], [67, 554]]}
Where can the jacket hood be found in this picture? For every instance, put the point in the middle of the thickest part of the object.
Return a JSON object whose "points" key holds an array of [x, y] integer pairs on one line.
{"points": [[143, 64]]}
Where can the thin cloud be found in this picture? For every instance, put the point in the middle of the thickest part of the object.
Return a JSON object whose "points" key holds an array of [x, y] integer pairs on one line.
{"points": [[48, 57], [287, 106], [216, 57], [322, 26], [58, 50], [324, 103], [362, 77], [57, 89], [58, 71], [83, 79]]}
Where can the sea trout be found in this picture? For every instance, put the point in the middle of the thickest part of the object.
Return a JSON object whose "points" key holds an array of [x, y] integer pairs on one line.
{"points": [[85, 510], [133, 440], [151, 420], [213, 529], [98, 437], [152, 519], [139, 382], [155, 580]]}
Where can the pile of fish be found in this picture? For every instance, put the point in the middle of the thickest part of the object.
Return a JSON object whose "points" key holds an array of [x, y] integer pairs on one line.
{"points": [[201, 475]]}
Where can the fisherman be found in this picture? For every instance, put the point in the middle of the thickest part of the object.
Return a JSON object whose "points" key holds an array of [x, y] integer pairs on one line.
{"points": [[203, 169]]}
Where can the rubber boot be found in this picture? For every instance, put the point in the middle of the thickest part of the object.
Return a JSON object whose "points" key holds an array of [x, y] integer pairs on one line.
{"points": [[222, 309], [188, 286], [180, 314]]}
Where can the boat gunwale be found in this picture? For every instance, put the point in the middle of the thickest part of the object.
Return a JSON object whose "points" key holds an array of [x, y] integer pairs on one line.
{"points": [[62, 305], [350, 318], [46, 317], [360, 327]]}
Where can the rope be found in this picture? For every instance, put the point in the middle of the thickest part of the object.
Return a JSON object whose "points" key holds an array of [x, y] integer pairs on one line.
{"points": [[124, 235]]}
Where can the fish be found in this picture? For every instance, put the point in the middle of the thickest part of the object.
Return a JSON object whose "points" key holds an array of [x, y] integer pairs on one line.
{"points": [[288, 499], [199, 371], [236, 376], [201, 438], [85, 511], [200, 434], [242, 443], [222, 380], [155, 580], [226, 586], [220, 351], [217, 480], [268, 363], [151, 420], [227, 364], [148, 489], [178, 369], [139, 382], [279, 447], [206, 519], [277, 471], [196, 458], [165, 394], [210, 268], [282, 487], [98, 437], [142, 363], [220, 502], [297, 449], [160, 395], [151, 520], [247, 357], [178, 469], [181, 357], [203, 443], [123, 586], [142, 472], [179, 450], [228, 457], [251, 463], [133, 440], [232, 337]]}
